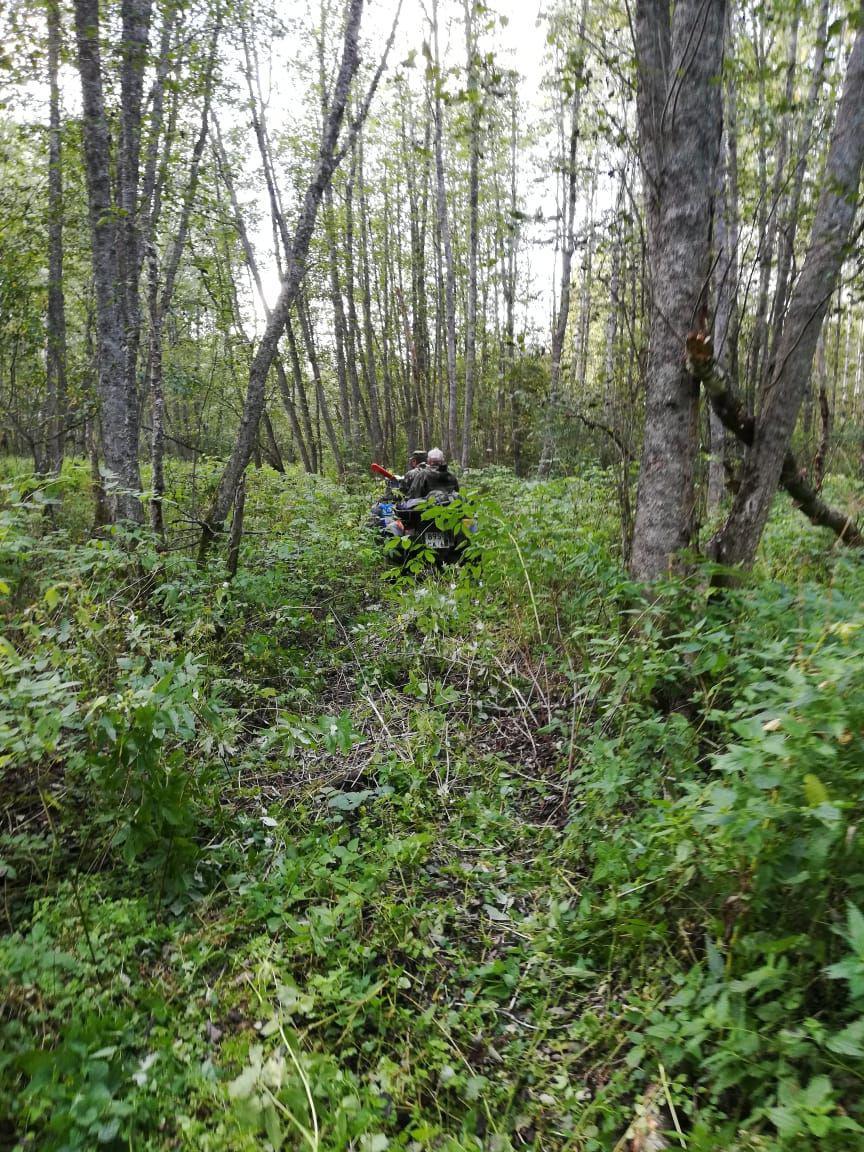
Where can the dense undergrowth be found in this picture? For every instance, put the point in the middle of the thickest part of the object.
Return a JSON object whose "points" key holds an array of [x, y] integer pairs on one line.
{"points": [[325, 859]]}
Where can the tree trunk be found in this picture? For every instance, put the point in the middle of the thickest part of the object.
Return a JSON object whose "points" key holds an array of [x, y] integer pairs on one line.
{"points": [[819, 464], [742, 424], [270, 447], [339, 326], [739, 538], [786, 246], [235, 536], [322, 403], [160, 303], [368, 332], [56, 320], [300, 393], [513, 384], [135, 20], [150, 181], [679, 54], [568, 243], [328, 159], [474, 101], [417, 336], [446, 246], [586, 287], [352, 334], [768, 240], [725, 290], [252, 264], [118, 401]]}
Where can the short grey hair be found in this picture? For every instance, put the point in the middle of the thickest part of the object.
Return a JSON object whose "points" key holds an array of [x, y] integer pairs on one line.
{"points": [[434, 456]]}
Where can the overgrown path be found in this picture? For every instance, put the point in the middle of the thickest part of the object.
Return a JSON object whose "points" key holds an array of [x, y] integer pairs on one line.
{"points": [[309, 859]]}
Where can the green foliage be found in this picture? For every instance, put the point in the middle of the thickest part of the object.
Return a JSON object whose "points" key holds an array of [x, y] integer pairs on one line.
{"points": [[479, 859]]}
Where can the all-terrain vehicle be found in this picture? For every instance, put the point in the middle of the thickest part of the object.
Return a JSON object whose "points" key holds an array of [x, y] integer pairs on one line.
{"points": [[435, 529]]}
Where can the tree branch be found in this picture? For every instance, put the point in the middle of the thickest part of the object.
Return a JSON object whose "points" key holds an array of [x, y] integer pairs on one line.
{"points": [[728, 406]]}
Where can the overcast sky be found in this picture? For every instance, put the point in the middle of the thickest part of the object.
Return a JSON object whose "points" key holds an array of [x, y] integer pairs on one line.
{"points": [[519, 42]]}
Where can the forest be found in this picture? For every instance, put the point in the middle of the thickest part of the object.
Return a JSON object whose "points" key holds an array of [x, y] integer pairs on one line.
{"points": [[515, 803]]}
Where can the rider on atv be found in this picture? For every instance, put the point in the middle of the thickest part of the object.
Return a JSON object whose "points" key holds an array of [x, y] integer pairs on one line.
{"points": [[416, 465], [435, 477]]}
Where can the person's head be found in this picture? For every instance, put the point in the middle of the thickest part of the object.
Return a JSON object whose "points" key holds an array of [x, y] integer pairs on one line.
{"points": [[417, 458], [435, 458]]}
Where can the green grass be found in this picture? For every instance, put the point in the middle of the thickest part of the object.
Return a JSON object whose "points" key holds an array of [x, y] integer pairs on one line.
{"points": [[495, 859]]}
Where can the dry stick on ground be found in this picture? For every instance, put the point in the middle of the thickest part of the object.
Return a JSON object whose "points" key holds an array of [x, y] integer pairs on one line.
{"points": [[731, 410]]}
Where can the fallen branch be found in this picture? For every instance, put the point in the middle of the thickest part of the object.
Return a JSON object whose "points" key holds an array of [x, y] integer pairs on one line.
{"points": [[734, 416]]}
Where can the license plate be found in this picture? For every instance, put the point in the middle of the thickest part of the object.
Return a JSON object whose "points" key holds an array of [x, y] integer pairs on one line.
{"points": [[435, 540]]}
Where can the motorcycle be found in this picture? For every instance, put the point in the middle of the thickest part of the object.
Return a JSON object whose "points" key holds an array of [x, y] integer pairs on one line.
{"points": [[433, 529]]}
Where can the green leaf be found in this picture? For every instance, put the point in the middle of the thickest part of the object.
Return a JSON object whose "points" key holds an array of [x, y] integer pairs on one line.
{"points": [[244, 1085], [815, 791], [374, 1142], [272, 1126], [495, 913], [715, 960], [849, 1042], [855, 923], [818, 1091], [348, 801]]}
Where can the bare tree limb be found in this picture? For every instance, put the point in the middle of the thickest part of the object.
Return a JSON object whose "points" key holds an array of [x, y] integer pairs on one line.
{"points": [[731, 410]]}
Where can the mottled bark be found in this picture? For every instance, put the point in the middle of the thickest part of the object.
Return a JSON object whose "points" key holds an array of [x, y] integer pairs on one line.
{"points": [[118, 401], [739, 538], [679, 55], [235, 536], [135, 21]]}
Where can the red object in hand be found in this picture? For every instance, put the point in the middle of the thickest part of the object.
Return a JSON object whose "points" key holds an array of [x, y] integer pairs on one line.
{"points": [[380, 470]]}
